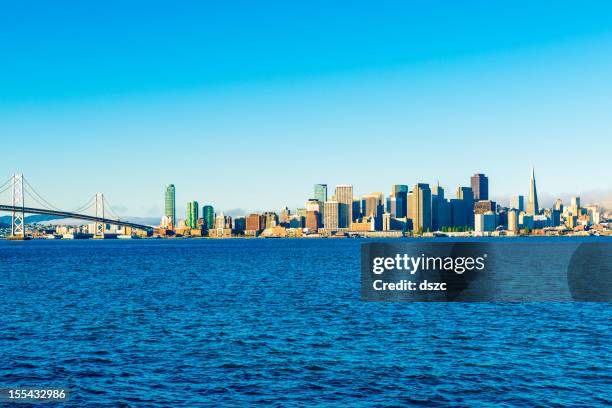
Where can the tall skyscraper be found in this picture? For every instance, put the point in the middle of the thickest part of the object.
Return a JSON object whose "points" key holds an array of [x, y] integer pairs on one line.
{"points": [[320, 193], [344, 197], [517, 202], [440, 209], [332, 215], [480, 186], [192, 214], [532, 201], [208, 213], [170, 203], [420, 207]]}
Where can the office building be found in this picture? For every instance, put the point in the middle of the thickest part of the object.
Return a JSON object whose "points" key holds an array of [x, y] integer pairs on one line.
{"points": [[400, 192], [532, 200], [344, 197], [420, 207], [484, 222], [192, 214], [170, 204], [320, 192], [332, 215], [513, 224], [312, 221], [208, 213], [480, 186], [254, 224], [467, 196]]}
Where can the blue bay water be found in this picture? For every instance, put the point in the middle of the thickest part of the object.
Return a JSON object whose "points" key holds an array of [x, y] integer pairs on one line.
{"points": [[276, 322]]}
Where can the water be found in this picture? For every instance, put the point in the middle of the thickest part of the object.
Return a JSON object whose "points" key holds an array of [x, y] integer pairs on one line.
{"points": [[276, 322]]}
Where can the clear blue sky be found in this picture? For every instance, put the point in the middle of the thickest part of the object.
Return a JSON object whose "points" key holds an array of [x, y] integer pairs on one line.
{"points": [[248, 104]]}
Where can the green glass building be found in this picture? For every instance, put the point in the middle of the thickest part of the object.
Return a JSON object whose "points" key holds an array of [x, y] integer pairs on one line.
{"points": [[208, 213], [192, 214], [170, 201], [320, 192]]}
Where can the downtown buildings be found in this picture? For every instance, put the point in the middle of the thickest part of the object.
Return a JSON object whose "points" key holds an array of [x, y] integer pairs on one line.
{"points": [[420, 210]]}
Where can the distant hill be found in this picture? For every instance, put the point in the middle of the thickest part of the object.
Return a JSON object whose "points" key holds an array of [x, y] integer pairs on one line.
{"points": [[29, 219]]}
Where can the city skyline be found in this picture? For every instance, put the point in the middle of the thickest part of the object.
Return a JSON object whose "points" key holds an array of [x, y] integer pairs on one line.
{"points": [[259, 102]]}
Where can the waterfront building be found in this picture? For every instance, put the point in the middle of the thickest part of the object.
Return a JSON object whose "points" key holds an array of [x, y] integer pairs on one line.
{"points": [[517, 202], [192, 214], [312, 221], [480, 186], [484, 222], [356, 209], [208, 213], [344, 197], [458, 213], [558, 205], [320, 192], [270, 219], [332, 215], [532, 200], [239, 224], [254, 224], [513, 224], [170, 205], [420, 207]]}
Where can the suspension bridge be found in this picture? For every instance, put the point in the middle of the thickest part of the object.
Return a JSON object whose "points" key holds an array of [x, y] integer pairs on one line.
{"points": [[97, 210]]}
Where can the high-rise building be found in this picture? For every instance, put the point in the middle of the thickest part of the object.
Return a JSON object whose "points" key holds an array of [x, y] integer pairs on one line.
{"points": [[420, 207], [254, 224], [170, 203], [440, 209], [517, 202], [208, 213], [344, 197], [467, 196], [400, 192], [312, 220], [513, 224], [532, 201], [320, 192], [558, 205], [192, 214], [285, 213], [332, 215], [480, 186], [484, 222]]}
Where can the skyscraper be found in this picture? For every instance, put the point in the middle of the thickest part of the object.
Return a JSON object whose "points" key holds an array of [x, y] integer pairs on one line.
{"points": [[480, 186], [208, 213], [332, 211], [320, 193], [400, 192], [192, 214], [420, 207], [532, 201], [170, 203], [344, 197], [467, 196]]}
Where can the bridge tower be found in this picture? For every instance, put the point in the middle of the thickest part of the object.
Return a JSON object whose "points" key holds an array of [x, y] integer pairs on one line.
{"points": [[18, 219], [100, 226]]}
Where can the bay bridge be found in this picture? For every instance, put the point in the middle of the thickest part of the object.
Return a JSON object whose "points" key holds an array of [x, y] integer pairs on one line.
{"points": [[97, 210]]}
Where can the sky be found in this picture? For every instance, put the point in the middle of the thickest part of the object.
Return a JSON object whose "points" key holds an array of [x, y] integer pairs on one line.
{"points": [[246, 104]]}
